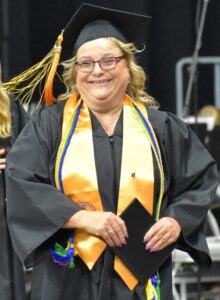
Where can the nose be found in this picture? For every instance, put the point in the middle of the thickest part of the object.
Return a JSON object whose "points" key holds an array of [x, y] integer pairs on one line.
{"points": [[97, 68]]}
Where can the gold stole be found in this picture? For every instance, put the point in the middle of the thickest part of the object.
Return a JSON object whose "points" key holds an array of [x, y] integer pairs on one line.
{"points": [[79, 176]]}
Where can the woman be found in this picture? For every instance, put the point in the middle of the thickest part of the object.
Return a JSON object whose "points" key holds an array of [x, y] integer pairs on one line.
{"points": [[12, 120], [80, 162]]}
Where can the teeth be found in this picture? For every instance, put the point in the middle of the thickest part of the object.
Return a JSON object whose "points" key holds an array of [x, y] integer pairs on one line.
{"points": [[101, 81]]}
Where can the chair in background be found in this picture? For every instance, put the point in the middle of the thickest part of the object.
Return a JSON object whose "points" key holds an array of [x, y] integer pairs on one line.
{"points": [[186, 272]]}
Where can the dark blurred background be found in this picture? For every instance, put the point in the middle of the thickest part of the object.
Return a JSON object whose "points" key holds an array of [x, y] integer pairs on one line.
{"points": [[28, 30]]}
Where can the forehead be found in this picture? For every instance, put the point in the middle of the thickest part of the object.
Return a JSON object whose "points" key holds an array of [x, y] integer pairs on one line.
{"points": [[98, 47]]}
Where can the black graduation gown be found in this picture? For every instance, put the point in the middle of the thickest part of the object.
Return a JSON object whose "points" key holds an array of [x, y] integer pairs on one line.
{"points": [[190, 182], [11, 270]]}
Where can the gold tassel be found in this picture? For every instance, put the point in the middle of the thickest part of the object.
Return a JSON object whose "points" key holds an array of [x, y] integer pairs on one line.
{"points": [[25, 83]]}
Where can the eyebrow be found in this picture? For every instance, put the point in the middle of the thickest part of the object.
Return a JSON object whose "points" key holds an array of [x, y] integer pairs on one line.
{"points": [[105, 55]]}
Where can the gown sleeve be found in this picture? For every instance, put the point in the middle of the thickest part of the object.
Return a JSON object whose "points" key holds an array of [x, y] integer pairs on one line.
{"points": [[36, 209], [19, 118], [192, 188]]}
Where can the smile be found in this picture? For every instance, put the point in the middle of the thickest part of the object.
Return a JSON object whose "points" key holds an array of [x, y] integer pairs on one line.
{"points": [[104, 81]]}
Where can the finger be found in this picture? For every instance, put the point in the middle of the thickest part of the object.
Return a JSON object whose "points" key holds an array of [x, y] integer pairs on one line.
{"points": [[114, 235], [2, 151], [160, 243], [2, 164], [108, 239], [162, 246], [154, 230], [120, 230], [160, 235], [119, 225], [115, 239], [107, 234], [111, 228], [114, 227], [123, 227], [112, 238]]}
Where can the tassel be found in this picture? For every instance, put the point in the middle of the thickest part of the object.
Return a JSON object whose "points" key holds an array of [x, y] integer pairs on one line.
{"points": [[48, 90], [64, 257], [25, 83], [152, 289]]}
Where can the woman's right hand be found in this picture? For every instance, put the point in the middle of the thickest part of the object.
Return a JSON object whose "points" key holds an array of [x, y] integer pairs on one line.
{"points": [[2, 160], [110, 227]]}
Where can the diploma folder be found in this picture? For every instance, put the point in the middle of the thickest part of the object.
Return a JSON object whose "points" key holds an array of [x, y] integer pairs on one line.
{"points": [[142, 263]]}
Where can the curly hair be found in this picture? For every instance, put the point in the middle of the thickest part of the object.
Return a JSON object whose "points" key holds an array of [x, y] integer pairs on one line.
{"points": [[136, 86]]}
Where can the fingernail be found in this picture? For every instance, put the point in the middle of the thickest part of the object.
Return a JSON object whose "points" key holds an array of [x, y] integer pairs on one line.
{"points": [[147, 247], [124, 242], [145, 240]]}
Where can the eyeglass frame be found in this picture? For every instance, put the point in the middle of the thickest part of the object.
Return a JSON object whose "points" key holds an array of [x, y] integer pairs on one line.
{"points": [[99, 61]]}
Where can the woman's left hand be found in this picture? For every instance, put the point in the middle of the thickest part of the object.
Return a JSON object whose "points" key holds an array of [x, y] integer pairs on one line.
{"points": [[163, 233]]}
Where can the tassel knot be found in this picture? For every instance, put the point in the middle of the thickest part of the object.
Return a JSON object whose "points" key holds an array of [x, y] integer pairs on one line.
{"points": [[64, 256]]}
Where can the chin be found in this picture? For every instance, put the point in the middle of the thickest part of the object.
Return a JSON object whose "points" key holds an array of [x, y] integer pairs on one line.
{"points": [[101, 97]]}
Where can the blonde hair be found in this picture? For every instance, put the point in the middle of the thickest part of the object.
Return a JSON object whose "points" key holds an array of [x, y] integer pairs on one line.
{"points": [[136, 86], [5, 114]]}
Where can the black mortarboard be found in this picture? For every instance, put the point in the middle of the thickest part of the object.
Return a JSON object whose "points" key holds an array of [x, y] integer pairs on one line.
{"points": [[91, 22]]}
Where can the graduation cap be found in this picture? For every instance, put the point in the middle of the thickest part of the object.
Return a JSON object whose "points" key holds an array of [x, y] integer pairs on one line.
{"points": [[91, 22], [88, 23]]}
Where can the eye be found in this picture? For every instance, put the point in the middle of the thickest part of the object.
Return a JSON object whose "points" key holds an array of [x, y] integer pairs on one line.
{"points": [[86, 63], [108, 61]]}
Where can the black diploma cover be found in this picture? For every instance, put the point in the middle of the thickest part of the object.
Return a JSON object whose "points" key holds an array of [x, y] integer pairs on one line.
{"points": [[142, 263]]}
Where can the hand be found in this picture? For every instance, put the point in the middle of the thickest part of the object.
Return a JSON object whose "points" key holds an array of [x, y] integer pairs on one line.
{"points": [[2, 160], [163, 233], [106, 225]]}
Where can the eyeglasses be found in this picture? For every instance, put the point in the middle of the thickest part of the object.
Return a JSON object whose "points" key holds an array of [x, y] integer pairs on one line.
{"points": [[105, 64]]}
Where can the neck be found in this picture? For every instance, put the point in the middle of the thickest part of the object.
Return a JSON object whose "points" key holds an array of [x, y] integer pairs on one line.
{"points": [[108, 119]]}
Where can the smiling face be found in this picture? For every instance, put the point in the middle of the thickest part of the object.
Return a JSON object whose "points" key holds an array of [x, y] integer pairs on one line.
{"points": [[102, 90]]}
